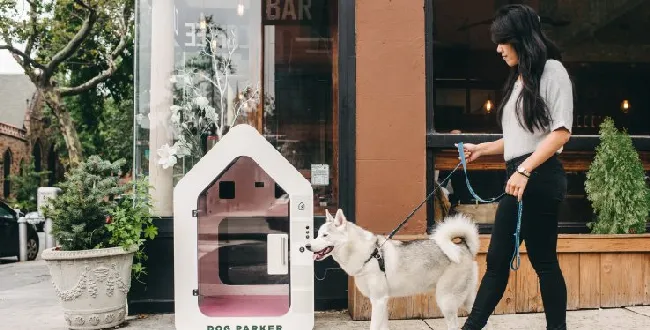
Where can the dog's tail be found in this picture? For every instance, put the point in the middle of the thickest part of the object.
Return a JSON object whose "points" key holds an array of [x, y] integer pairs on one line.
{"points": [[455, 234]]}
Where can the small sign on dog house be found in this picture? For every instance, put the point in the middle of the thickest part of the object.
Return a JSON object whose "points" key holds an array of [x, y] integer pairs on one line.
{"points": [[242, 217]]}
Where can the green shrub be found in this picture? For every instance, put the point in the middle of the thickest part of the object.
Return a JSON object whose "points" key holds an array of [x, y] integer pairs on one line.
{"points": [[94, 210], [616, 184], [131, 222]]}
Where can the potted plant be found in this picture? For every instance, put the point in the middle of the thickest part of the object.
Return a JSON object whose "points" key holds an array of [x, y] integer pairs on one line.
{"points": [[99, 225], [616, 185]]}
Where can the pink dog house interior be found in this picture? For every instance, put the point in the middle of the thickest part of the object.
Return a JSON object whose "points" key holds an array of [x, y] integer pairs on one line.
{"points": [[243, 236], [243, 215]]}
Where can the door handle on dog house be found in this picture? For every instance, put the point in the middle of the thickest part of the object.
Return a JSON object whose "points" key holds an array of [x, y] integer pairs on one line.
{"points": [[284, 251], [277, 252]]}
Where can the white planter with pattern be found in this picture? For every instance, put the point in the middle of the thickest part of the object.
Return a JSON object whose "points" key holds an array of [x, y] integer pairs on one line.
{"points": [[91, 285]]}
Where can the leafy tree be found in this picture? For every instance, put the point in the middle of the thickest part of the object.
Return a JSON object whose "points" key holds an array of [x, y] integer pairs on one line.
{"points": [[109, 132], [616, 184], [59, 35], [26, 186]]}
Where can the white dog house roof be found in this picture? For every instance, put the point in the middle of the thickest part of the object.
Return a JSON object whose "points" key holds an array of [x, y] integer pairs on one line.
{"points": [[239, 257]]}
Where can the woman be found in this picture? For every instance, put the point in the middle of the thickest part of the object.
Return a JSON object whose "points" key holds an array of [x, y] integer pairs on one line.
{"points": [[536, 117]]}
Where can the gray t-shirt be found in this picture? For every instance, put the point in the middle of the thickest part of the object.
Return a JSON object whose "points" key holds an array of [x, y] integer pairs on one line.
{"points": [[556, 90]]}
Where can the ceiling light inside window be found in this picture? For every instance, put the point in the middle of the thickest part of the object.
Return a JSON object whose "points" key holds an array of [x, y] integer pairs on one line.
{"points": [[625, 106]]}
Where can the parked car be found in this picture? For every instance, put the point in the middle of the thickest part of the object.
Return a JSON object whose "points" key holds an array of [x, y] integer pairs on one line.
{"points": [[35, 219], [9, 241]]}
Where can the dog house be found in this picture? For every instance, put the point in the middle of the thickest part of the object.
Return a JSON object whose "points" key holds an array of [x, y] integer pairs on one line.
{"points": [[242, 217]]}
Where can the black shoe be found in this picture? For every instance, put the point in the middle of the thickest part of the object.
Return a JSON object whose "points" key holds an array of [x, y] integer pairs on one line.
{"points": [[559, 327]]}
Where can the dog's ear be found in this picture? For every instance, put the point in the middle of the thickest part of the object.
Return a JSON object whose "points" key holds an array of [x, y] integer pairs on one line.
{"points": [[339, 219], [328, 216]]}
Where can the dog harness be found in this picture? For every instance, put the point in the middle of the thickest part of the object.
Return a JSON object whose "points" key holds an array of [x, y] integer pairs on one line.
{"points": [[375, 254], [380, 260]]}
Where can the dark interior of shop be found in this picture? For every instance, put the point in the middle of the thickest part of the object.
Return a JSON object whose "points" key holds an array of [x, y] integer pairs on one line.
{"points": [[606, 50]]}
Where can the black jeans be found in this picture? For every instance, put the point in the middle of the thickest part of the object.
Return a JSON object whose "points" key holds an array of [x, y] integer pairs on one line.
{"points": [[543, 194]]}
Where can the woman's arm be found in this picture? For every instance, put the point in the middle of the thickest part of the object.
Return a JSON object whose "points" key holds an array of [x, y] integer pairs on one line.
{"points": [[549, 146], [491, 148]]}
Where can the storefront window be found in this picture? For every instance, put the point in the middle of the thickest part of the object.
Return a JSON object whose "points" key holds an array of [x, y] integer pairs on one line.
{"points": [[604, 46], [605, 50], [205, 66]]}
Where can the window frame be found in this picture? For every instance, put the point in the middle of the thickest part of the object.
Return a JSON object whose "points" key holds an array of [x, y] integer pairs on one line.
{"points": [[437, 141]]}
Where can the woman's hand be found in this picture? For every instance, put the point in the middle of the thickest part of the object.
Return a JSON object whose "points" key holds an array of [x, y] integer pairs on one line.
{"points": [[516, 185], [472, 151]]}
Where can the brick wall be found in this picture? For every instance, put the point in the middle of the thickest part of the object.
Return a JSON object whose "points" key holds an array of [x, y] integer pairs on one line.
{"points": [[19, 151], [21, 143]]}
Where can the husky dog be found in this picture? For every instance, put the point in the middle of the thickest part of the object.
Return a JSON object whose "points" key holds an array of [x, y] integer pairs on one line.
{"points": [[384, 268]]}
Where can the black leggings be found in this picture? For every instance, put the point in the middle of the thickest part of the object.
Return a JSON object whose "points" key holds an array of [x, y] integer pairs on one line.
{"points": [[543, 194]]}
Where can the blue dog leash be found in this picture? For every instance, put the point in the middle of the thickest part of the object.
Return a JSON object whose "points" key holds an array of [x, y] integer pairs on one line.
{"points": [[461, 153], [463, 162], [515, 256]]}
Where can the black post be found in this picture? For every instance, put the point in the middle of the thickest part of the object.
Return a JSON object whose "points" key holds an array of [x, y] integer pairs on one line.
{"points": [[430, 94]]}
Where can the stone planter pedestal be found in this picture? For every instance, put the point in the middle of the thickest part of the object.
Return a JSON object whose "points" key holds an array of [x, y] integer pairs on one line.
{"points": [[91, 285]]}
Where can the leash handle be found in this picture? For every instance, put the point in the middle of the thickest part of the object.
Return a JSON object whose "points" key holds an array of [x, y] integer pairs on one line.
{"points": [[463, 161]]}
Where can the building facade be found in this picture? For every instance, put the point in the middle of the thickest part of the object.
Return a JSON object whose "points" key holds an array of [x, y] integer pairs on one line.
{"points": [[367, 98], [24, 132]]}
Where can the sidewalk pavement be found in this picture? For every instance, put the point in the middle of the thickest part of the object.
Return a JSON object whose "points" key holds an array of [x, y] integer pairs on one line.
{"points": [[28, 302]]}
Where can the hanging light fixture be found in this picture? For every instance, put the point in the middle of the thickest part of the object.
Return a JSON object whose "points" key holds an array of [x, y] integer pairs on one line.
{"points": [[488, 105], [625, 106], [240, 7], [203, 24]]}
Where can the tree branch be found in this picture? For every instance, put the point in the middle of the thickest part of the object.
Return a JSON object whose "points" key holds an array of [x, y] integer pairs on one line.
{"points": [[112, 66], [90, 84], [74, 43], [26, 60], [33, 18]]}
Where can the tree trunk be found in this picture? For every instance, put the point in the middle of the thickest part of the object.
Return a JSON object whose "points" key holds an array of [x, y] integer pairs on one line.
{"points": [[66, 126]]}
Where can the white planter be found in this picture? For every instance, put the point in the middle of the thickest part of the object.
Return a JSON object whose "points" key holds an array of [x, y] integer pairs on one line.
{"points": [[91, 285]]}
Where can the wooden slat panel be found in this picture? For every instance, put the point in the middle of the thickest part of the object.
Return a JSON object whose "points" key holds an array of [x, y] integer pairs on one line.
{"points": [[447, 161], [507, 303], [570, 264], [608, 282], [620, 279], [400, 308], [589, 243], [361, 308], [431, 310], [589, 280], [528, 298], [647, 280], [352, 298], [418, 304], [573, 161]]}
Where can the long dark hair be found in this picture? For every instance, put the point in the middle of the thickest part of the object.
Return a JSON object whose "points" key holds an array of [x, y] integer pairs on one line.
{"points": [[521, 27]]}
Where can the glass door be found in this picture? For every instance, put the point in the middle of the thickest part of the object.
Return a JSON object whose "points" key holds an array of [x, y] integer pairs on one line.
{"points": [[300, 87]]}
